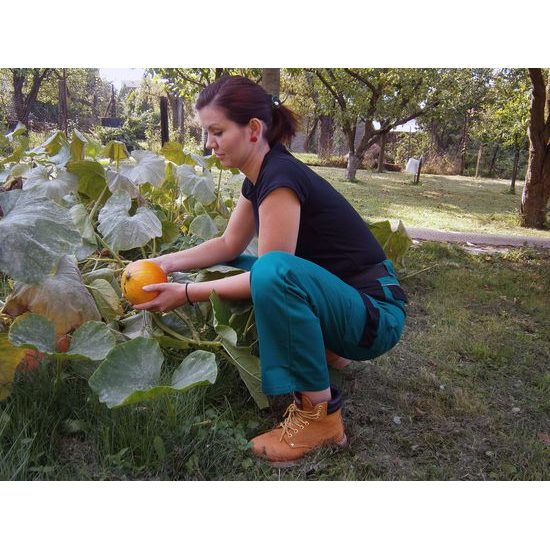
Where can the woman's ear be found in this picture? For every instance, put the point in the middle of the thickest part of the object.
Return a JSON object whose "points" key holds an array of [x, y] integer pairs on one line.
{"points": [[256, 127]]}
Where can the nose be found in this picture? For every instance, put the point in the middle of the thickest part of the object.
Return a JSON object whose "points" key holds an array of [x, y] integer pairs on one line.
{"points": [[210, 142]]}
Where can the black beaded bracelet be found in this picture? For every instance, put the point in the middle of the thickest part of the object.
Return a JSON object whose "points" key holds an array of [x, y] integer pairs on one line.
{"points": [[187, 295]]}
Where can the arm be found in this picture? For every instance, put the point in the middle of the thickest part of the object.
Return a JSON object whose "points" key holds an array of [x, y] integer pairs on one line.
{"points": [[237, 235], [279, 223]]}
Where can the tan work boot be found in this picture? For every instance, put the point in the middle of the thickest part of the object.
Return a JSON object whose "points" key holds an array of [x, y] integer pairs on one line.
{"points": [[305, 427]]}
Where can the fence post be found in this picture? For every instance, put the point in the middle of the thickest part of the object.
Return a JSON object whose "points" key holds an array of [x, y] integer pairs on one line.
{"points": [[164, 135], [417, 178]]}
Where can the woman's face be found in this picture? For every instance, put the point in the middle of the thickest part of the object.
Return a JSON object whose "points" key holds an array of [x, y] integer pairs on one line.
{"points": [[228, 140]]}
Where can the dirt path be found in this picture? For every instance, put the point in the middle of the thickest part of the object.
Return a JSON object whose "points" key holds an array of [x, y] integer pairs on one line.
{"points": [[477, 238]]}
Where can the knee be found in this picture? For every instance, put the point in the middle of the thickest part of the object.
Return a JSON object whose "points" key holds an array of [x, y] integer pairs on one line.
{"points": [[269, 270]]}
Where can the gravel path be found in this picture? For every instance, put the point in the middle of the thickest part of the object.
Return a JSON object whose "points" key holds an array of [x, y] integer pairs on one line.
{"points": [[477, 238]]}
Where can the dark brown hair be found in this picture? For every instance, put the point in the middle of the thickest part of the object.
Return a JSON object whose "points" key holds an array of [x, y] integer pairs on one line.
{"points": [[243, 100]]}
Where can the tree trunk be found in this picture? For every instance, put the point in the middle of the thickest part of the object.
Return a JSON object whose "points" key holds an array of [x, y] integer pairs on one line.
{"points": [[309, 137], [23, 104], [536, 191], [464, 143], [176, 106], [271, 81], [514, 171], [478, 163], [63, 102], [382, 143], [354, 161], [325, 136], [494, 161]]}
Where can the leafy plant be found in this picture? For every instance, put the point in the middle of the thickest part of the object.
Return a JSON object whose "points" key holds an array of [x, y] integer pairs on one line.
{"points": [[79, 216]]}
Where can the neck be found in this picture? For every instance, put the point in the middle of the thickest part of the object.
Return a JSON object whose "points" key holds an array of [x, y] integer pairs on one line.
{"points": [[252, 165]]}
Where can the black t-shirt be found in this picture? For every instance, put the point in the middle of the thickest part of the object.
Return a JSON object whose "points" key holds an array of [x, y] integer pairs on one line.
{"points": [[331, 234]]}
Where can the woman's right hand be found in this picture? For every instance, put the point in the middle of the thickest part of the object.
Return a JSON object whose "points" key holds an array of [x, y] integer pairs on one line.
{"points": [[164, 263]]}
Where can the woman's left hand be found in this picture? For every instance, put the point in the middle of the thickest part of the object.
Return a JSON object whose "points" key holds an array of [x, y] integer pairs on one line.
{"points": [[172, 295]]}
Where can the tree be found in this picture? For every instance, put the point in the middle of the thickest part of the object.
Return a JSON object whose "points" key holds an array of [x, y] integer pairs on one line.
{"points": [[462, 96], [26, 85], [271, 81], [505, 116], [389, 97], [536, 191]]}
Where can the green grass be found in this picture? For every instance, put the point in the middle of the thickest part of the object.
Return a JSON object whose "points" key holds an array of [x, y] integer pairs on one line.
{"points": [[452, 203], [464, 395]]}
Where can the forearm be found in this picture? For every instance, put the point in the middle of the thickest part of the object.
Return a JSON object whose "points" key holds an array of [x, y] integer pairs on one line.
{"points": [[236, 287], [211, 252]]}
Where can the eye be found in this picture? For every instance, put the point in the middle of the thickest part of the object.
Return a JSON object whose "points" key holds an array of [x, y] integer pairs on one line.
{"points": [[217, 133]]}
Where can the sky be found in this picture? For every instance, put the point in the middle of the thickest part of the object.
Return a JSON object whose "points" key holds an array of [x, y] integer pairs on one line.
{"points": [[116, 76]]}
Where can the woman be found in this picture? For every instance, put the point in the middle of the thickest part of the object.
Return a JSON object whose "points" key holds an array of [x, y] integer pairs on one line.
{"points": [[321, 281]]}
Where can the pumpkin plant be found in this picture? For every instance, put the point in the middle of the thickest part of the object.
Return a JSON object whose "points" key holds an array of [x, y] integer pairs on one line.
{"points": [[77, 223]]}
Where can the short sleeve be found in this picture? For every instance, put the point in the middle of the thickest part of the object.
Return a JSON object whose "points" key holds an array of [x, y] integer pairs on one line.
{"points": [[284, 174], [246, 189]]}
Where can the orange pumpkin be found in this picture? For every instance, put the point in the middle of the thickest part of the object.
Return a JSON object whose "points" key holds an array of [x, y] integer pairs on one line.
{"points": [[139, 274]]}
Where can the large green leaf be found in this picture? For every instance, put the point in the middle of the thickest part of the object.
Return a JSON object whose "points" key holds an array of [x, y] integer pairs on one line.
{"points": [[395, 243], [53, 144], [123, 231], [35, 233], [200, 187], [81, 219], [62, 298], [33, 331], [131, 373], [78, 145], [10, 357], [148, 168], [106, 299], [55, 188], [93, 340], [115, 150], [119, 182], [173, 151], [91, 177], [247, 364], [204, 227]]}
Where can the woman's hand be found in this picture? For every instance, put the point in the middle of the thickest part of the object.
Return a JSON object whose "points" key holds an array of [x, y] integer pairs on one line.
{"points": [[164, 262], [172, 295]]}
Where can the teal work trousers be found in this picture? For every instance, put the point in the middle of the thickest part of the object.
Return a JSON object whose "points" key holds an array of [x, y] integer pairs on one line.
{"points": [[301, 309]]}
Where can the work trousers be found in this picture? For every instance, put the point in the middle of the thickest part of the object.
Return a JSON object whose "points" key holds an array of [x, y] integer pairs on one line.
{"points": [[301, 309]]}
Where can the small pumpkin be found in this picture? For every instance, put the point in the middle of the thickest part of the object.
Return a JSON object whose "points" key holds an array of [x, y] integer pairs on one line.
{"points": [[139, 274]]}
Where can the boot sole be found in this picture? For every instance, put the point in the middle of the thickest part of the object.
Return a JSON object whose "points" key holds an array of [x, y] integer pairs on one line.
{"points": [[289, 463]]}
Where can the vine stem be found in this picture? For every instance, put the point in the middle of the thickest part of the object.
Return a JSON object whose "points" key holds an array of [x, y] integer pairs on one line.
{"points": [[178, 336], [115, 255], [189, 324]]}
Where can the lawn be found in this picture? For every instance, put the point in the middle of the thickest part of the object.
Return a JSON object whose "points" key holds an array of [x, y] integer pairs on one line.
{"points": [[453, 203], [463, 396]]}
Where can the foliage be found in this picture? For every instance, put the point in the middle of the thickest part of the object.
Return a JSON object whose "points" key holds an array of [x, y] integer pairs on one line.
{"points": [[75, 222]]}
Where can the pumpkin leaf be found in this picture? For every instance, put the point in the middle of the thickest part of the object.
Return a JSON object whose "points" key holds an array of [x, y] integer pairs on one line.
{"points": [[33, 331], [173, 151], [62, 298], [123, 231], [204, 227], [119, 182], [395, 243], [93, 340], [91, 177], [55, 188], [39, 233], [10, 357], [131, 373], [148, 168], [106, 299], [115, 150], [78, 145], [191, 184], [247, 364]]}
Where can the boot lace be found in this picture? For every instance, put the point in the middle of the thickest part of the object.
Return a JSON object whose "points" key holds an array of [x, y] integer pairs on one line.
{"points": [[296, 419]]}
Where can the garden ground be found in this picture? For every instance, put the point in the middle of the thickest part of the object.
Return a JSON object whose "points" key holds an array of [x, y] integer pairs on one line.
{"points": [[463, 396]]}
